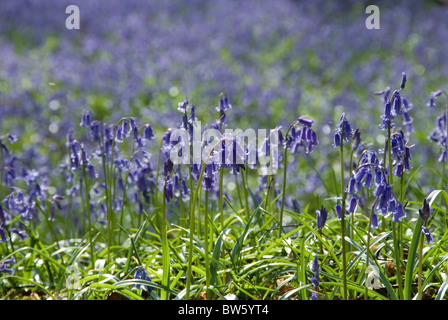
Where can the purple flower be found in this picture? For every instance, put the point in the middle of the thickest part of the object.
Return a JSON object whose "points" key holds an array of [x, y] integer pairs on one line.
{"points": [[375, 222], [344, 130], [403, 80], [338, 209], [140, 274], [351, 189], [353, 204], [321, 218], [425, 211], [86, 119], [398, 213], [148, 133], [306, 122], [429, 238], [5, 266], [92, 174], [3, 237]]}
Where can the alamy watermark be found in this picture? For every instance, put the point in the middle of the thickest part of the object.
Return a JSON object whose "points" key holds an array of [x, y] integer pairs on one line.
{"points": [[73, 20], [255, 148], [373, 20]]}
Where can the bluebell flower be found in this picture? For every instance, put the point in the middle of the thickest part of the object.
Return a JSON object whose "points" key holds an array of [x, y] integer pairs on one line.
{"points": [[425, 211], [5, 266], [351, 189], [148, 133], [92, 174], [140, 274], [182, 106], [306, 122], [386, 116], [396, 101], [438, 135], [429, 238], [368, 180], [353, 204], [375, 224], [3, 237], [403, 80], [209, 176], [338, 209], [398, 214], [321, 218], [86, 119], [344, 130]]}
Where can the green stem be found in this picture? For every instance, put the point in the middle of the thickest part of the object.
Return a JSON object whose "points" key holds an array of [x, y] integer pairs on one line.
{"points": [[246, 196], [206, 249], [394, 231], [192, 223], [366, 296], [165, 248], [220, 200], [343, 231], [89, 214], [285, 162]]}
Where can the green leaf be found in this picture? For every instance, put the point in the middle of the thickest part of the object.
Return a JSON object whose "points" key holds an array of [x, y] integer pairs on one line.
{"points": [[412, 259]]}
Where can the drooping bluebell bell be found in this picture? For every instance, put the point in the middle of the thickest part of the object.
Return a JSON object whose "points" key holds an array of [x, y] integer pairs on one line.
{"points": [[336, 140], [95, 131], [338, 209], [398, 213], [321, 218], [307, 122], [353, 204], [407, 158], [344, 130], [148, 132], [438, 135], [169, 192], [396, 104], [3, 237], [140, 274], [375, 223], [351, 189], [387, 116], [209, 176], [429, 238], [368, 180], [5, 266], [304, 137], [425, 211], [86, 119]]}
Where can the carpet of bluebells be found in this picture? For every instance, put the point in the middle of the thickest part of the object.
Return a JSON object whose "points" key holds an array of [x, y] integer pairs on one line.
{"points": [[92, 207]]}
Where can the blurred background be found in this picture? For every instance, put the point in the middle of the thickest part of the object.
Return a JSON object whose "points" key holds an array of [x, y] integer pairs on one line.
{"points": [[275, 59]]}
